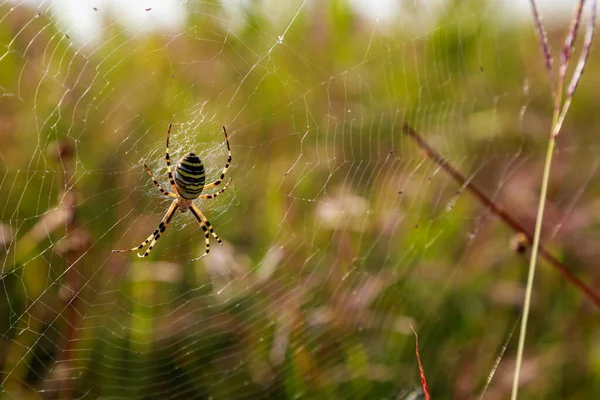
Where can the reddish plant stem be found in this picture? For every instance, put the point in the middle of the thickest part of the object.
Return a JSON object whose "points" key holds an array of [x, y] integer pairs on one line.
{"points": [[501, 213], [421, 372]]}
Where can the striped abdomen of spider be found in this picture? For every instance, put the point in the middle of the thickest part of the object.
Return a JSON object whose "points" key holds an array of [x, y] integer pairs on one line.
{"points": [[187, 184], [189, 179]]}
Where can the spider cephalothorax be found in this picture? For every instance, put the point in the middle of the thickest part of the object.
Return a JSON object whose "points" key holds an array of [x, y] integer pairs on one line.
{"points": [[187, 186]]}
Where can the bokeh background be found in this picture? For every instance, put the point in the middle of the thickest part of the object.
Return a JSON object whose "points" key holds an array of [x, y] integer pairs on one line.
{"points": [[339, 232]]}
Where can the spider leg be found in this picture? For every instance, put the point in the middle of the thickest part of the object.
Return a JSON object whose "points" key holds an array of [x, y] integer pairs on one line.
{"points": [[163, 191], [206, 239], [212, 196], [168, 159], [141, 245], [200, 217], [218, 181], [156, 234], [162, 227]]}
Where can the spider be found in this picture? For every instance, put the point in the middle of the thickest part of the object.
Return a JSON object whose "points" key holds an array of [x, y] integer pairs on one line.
{"points": [[187, 186]]}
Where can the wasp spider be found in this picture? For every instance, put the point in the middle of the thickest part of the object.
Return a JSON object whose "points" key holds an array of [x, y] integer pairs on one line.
{"points": [[187, 186]]}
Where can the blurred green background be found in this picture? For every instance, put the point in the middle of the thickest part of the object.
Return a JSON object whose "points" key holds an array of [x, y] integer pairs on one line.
{"points": [[340, 234]]}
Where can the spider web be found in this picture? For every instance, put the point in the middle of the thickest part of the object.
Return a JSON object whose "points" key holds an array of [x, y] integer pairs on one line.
{"points": [[339, 232]]}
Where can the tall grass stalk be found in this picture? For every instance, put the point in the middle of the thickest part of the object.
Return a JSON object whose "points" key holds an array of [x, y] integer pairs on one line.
{"points": [[557, 120]]}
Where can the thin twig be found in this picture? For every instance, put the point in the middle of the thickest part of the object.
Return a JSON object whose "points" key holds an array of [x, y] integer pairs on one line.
{"points": [[500, 212]]}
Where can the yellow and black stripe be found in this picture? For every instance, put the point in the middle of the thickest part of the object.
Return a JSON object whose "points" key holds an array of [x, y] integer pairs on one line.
{"points": [[190, 176]]}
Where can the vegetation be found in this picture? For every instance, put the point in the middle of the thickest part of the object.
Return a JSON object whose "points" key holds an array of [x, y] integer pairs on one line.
{"points": [[341, 231]]}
